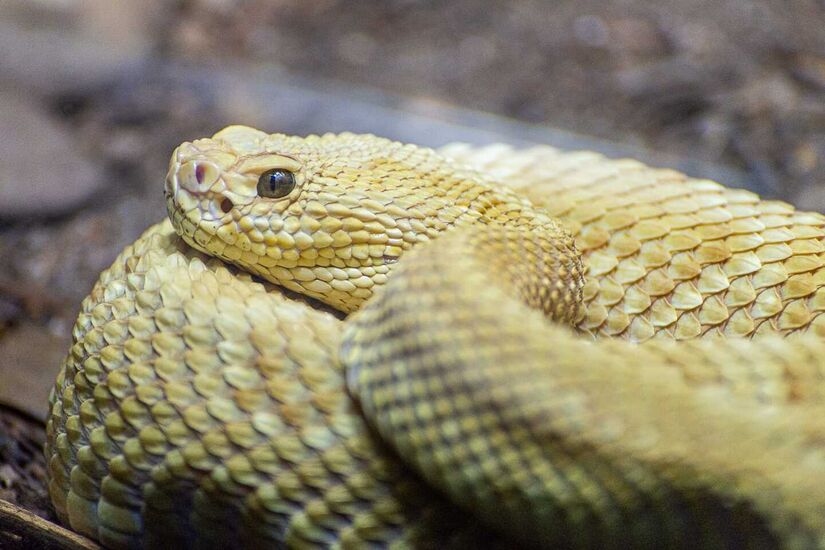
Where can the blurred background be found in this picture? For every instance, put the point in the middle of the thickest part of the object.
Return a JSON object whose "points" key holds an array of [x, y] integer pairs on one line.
{"points": [[95, 94]]}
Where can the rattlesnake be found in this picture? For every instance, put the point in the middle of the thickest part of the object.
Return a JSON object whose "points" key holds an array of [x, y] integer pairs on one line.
{"points": [[510, 375]]}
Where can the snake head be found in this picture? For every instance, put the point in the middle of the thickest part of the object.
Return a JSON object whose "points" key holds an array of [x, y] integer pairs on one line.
{"points": [[326, 216]]}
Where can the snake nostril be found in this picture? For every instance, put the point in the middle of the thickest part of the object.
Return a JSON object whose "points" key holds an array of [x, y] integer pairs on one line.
{"points": [[200, 170], [226, 206]]}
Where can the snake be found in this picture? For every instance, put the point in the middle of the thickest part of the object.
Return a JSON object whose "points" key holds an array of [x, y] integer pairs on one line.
{"points": [[343, 341]]}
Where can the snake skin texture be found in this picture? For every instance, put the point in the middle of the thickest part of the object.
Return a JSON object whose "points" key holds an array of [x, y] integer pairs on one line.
{"points": [[510, 375]]}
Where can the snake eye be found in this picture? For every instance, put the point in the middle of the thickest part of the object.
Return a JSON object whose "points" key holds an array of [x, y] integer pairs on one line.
{"points": [[276, 183]]}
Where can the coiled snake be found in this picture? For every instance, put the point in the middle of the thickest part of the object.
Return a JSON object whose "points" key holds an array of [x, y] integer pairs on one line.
{"points": [[474, 400]]}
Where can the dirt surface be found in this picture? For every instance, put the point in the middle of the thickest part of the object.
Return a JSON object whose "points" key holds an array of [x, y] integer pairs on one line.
{"points": [[95, 96], [22, 465]]}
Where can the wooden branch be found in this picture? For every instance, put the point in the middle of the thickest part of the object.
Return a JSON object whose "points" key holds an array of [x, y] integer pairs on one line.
{"points": [[21, 529]]}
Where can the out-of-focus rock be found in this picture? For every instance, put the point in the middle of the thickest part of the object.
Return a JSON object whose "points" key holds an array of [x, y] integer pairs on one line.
{"points": [[809, 68], [42, 170], [52, 45], [30, 358]]}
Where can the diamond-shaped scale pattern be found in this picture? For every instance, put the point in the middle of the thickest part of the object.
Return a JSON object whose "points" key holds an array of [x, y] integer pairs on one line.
{"points": [[201, 407], [566, 442], [198, 407], [671, 256]]}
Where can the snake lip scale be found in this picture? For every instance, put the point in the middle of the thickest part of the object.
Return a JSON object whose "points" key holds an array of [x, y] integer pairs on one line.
{"points": [[344, 341]]}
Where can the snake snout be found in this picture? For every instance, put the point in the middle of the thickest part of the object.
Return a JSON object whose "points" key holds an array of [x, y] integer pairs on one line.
{"points": [[197, 184]]}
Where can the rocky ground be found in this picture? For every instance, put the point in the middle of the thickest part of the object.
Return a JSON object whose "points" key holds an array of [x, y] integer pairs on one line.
{"points": [[93, 98]]}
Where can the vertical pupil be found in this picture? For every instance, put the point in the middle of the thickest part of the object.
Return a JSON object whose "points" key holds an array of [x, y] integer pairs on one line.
{"points": [[276, 183]]}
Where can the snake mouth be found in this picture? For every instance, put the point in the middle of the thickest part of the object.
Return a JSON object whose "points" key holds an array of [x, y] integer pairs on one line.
{"points": [[204, 206], [212, 207]]}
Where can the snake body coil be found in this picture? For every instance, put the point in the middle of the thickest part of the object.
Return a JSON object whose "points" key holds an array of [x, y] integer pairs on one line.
{"points": [[457, 406]]}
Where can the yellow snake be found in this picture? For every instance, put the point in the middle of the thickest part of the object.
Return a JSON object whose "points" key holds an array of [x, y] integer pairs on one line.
{"points": [[473, 399]]}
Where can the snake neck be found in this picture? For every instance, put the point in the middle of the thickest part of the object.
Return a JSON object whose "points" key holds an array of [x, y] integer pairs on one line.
{"points": [[535, 257], [488, 202]]}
